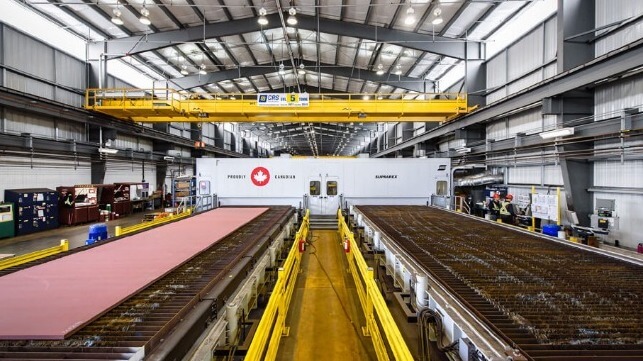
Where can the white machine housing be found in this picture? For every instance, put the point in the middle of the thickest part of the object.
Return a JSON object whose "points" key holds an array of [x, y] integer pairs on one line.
{"points": [[323, 184]]}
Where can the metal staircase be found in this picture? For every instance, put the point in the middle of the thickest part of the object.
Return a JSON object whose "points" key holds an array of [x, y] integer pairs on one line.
{"points": [[326, 222]]}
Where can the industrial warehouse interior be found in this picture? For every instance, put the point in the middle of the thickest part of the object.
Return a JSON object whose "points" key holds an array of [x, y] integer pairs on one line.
{"points": [[321, 180]]}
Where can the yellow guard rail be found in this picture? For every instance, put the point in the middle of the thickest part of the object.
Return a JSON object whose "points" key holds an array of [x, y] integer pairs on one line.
{"points": [[272, 326], [168, 105], [121, 231], [373, 303], [25, 258]]}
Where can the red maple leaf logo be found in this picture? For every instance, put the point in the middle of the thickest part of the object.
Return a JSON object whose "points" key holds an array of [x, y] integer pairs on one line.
{"points": [[260, 176]]}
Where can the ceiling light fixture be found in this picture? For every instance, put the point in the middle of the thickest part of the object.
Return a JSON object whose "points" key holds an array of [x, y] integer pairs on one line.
{"points": [[116, 19], [380, 69], [398, 69], [144, 19], [410, 16], [282, 70], [438, 19], [292, 20], [562, 132], [301, 70], [202, 69], [184, 69], [263, 20]]}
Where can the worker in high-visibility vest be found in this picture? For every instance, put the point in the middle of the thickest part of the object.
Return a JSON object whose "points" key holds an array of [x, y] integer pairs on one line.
{"points": [[507, 211], [494, 207]]}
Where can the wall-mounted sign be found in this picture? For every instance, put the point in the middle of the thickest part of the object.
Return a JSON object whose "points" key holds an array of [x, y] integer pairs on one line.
{"points": [[283, 100]]}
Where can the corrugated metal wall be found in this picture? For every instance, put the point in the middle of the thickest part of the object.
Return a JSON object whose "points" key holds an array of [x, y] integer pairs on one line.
{"points": [[36, 68], [609, 101], [524, 63], [18, 173], [538, 175], [611, 11], [123, 171], [20, 122], [528, 122]]}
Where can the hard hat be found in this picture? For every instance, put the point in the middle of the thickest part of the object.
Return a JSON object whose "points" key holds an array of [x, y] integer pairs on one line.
{"points": [[496, 196], [509, 197]]}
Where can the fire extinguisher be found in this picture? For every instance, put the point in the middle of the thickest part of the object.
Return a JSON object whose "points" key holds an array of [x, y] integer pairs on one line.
{"points": [[347, 245], [302, 245]]}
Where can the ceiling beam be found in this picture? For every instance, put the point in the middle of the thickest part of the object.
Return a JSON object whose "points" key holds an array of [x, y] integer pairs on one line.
{"points": [[193, 81], [454, 48]]}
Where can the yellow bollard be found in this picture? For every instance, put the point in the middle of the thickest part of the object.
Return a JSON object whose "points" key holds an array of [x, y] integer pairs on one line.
{"points": [[117, 231], [64, 245]]}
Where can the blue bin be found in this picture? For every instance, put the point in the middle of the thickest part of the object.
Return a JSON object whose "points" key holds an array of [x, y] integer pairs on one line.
{"points": [[97, 232], [551, 229]]}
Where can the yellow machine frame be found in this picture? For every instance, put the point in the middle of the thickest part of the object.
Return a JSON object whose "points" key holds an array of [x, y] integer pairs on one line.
{"points": [[168, 105]]}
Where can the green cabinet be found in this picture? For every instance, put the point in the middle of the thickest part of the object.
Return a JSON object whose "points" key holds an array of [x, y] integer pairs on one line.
{"points": [[7, 224]]}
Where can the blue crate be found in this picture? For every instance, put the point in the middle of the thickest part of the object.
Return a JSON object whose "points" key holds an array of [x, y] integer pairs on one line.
{"points": [[97, 232]]}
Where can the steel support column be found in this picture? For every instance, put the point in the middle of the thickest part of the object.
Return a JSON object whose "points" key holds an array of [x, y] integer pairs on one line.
{"points": [[574, 17], [578, 178], [475, 82], [96, 65]]}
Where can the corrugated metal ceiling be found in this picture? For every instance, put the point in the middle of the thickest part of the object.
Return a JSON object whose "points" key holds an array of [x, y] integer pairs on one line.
{"points": [[335, 62]]}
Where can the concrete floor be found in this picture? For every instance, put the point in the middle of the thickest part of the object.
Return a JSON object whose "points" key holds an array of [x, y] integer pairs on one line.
{"points": [[325, 317], [51, 238]]}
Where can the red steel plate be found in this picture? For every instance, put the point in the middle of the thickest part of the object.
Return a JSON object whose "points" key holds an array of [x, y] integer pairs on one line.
{"points": [[52, 300]]}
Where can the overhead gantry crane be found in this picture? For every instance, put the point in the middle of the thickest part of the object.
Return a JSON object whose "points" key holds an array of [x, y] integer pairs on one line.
{"points": [[167, 105]]}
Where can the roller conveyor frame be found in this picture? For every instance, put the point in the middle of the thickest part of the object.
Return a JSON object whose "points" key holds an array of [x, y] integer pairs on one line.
{"points": [[487, 339], [166, 329]]}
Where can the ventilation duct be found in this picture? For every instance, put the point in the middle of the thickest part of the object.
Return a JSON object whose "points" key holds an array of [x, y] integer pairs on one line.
{"points": [[479, 179]]}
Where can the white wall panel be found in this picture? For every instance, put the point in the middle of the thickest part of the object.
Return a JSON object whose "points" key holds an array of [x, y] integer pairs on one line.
{"points": [[550, 70], [129, 172], [549, 122], [70, 71], [145, 144], [611, 99], [28, 85], [610, 11], [17, 173], [125, 141], [27, 54], [69, 98], [526, 55], [553, 175], [615, 174], [524, 175], [525, 82], [497, 70], [497, 130], [501, 93], [529, 122], [176, 129], [550, 37], [71, 130], [18, 122]]}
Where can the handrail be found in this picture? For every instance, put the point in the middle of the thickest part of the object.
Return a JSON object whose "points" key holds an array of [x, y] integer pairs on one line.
{"points": [[272, 326], [25, 258], [372, 302], [121, 231]]}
